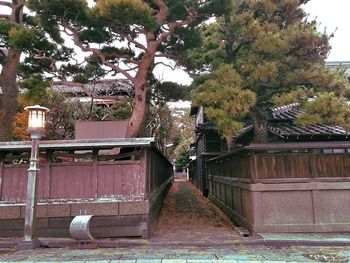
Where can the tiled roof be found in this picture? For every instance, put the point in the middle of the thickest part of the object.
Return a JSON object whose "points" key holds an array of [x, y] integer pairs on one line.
{"points": [[112, 87], [286, 130], [335, 64], [285, 113], [281, 124]]}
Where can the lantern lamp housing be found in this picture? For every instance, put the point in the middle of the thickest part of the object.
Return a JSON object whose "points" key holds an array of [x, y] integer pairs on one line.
{"points": [[36, 120]]}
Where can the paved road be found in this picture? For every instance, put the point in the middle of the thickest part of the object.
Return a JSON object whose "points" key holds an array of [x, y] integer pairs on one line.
{"points": [[232, 254]]}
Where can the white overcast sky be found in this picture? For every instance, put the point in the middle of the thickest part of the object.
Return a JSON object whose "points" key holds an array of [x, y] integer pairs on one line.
{"points": [[331, 14], [334, 16]]}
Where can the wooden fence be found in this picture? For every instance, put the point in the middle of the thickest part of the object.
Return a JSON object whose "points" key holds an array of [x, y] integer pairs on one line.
{"points": [[289, 160], [290, 187], [99, 172]]}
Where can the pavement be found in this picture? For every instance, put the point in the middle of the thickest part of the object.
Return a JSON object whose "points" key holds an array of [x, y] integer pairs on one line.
{"points": [[190, 229]]}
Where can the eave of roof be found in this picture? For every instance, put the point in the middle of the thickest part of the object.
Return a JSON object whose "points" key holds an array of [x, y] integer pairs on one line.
{"points": [[115, 85], [79, 144]]}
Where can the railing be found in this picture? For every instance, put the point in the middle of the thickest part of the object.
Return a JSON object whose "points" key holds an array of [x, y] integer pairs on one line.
{"points": [[84, 169]]}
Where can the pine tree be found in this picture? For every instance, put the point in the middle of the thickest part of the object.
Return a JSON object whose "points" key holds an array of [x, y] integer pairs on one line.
{"points": [[21, 35], [273, 49], [126, 39]]}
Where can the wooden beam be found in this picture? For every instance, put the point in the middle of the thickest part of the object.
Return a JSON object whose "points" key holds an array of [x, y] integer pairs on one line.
{"points": [[80, 144], [299, 145]]}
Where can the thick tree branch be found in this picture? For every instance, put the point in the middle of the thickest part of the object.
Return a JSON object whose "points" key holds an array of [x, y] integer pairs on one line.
{"points": [[96, 52], [163, 11], [172, 26], [6, 4]]}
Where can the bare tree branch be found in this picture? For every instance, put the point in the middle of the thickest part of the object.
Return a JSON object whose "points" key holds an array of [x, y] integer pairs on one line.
{"points": [[165, 64], [136, 43]]}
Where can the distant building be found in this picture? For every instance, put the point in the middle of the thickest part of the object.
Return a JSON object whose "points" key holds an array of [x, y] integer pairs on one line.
{"points": [[335, 64], [282, 129], [101, 92]]}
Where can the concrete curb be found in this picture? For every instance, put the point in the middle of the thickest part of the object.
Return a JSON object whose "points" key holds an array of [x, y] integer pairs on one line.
{"points": [[66, 243], [282, 243]]}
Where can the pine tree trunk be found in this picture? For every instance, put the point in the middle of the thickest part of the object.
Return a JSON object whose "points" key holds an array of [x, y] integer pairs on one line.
{"points": [[139, 113], [229, 142], [259, 119], [142, 88], [8, 80], [8, 98]]}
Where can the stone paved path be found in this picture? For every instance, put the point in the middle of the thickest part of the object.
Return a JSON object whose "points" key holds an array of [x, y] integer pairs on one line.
{"points": [[187, 218]]}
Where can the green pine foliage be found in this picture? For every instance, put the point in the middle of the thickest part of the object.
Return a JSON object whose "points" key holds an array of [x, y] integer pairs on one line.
{"points": [[120, 38], [36, 89], [224, 100], [119, 14], [276, 52], [326, 108]]}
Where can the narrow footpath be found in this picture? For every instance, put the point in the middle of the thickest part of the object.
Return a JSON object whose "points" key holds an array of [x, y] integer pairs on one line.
{"points": [[188, 218]]}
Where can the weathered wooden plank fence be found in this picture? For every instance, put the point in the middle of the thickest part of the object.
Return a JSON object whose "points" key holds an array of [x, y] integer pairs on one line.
{"points": [[290, 187], [123, 191]]}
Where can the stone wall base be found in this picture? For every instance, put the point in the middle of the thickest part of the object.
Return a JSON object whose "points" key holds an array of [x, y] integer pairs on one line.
{"points": [[289, 207], [100, 226], [112, 218]]}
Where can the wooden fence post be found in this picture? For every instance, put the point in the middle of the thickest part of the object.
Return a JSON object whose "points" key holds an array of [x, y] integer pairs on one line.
{"points": [[146, 170], [1, 172], [47, 179], [94, 172], [253, 165], [312, 163]]}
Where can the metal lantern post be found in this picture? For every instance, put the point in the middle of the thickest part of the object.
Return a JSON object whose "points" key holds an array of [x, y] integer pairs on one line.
{"points": [[36, 129]]}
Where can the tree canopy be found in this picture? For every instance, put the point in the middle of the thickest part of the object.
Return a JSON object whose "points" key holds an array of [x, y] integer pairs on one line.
{"points": [[19, 34], [273, 50], [119, 39]]}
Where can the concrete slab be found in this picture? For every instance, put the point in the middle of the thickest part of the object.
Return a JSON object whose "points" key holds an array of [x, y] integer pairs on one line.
{"points": [[306, 237], [199, 261], [174, 261], [224, 261], [149, 261]]}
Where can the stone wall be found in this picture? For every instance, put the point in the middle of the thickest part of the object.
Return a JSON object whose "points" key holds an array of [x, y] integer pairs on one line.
{"points": [[294, 206], [296, 187]]}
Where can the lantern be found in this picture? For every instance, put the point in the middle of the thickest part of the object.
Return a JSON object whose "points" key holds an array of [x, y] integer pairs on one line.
{"points": [[36, 128], [36, 120]]}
